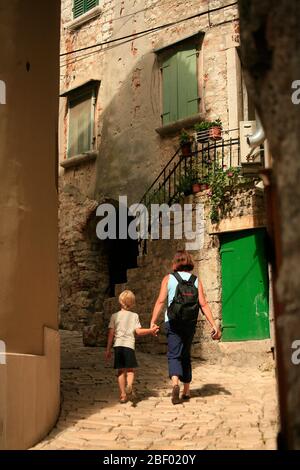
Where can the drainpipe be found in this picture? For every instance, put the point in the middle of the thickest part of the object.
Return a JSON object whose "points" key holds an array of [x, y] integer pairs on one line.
{"points": [[258, 137]]}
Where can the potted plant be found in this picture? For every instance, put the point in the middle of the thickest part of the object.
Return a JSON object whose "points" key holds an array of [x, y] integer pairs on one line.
{"points": [[185, 143], [202, 129], [184, 186], [208, 130], [204, 185], [188, 181], [196, 187], [215, 130]]}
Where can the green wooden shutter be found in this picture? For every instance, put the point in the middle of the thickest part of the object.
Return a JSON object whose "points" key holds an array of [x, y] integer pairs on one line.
{"points": [[89, 4], [78, 8], [169, 78], [80, 127], [82, 6], [188, 99]]}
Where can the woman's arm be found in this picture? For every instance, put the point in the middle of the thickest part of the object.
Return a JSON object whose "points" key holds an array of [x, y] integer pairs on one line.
{"points": [[111, 334], [160, 300], [207, 311]]}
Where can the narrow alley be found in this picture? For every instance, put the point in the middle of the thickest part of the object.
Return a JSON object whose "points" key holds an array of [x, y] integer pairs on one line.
{"points": [[231, 407]]}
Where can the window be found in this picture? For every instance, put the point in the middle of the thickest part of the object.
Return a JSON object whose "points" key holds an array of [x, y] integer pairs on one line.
{"points": [[246, 105], [248, 108], [82, 6], [81, 116], [180, 82]]}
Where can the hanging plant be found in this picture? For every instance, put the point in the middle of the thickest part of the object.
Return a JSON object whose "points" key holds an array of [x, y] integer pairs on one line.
{"points": [[223, 185]]}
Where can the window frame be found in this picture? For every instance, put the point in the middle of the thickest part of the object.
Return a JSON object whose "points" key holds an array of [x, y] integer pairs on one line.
{"points": [[90, 92], [163, 54]]}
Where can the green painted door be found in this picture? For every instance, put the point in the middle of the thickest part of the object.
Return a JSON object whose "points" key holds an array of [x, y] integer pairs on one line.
{"points": [[245, 286]]}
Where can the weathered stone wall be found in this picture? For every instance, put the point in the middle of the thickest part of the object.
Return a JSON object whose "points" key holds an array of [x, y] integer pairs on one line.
{"points": [[131, 150], [128, 108], [246, 210], [83, 268]]}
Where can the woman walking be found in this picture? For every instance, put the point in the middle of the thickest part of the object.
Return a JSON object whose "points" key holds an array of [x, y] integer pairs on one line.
{"points": [[180, 287]]}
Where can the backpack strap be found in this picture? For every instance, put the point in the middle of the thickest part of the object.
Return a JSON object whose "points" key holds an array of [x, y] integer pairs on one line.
{"points": [[193, 278], [177, 277]]}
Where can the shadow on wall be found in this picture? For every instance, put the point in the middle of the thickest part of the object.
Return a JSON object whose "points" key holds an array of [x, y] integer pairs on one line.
{"points": [[131, 153]]}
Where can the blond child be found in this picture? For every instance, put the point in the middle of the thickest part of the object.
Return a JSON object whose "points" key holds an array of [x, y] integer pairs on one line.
{"points": [[123, 326]]}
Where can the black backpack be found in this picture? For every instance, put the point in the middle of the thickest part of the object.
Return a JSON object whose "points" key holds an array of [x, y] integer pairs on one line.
{"points": [[185, 305]]}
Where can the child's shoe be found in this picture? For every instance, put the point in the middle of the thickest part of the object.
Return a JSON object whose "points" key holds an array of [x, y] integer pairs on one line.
{"points": [[175, 395], [130, 393]]}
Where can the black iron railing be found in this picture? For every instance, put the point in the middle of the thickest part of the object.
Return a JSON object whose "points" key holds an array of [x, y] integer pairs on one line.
{"points": [[197, 164]]}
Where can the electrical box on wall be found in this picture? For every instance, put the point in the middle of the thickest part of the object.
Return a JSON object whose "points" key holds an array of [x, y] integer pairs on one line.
{"points": [[249, 156], [252, 158]]}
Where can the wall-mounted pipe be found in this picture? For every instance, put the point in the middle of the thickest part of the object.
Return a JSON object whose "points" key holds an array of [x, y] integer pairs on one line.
{"points": [[258, 137]]}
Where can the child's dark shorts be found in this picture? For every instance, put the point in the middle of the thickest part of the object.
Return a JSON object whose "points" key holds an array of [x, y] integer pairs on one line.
{"points": [[124, 358]]}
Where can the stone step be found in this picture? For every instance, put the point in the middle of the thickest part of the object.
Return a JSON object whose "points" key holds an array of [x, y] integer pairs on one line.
{"points": [[109, 307], [119, 288], [134, 274]]}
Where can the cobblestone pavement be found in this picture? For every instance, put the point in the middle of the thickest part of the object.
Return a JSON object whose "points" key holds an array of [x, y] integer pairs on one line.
{"points": [[231, 407]]}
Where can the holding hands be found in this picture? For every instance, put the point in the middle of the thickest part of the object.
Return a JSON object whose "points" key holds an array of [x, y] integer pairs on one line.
{"points": [[154, 329]]}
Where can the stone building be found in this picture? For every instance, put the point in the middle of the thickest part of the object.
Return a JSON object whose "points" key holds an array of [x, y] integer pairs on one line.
{"points": [[134, 74], [29, 338]]}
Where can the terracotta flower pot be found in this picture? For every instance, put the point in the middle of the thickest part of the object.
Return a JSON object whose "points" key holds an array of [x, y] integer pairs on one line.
{"points": [[204, 186], [186, 149], [196, 188], [215, 133]]}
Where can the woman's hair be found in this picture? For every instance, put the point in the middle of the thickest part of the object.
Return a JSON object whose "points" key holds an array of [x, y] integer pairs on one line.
{"points": [[182, 261], [127, 299]]}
